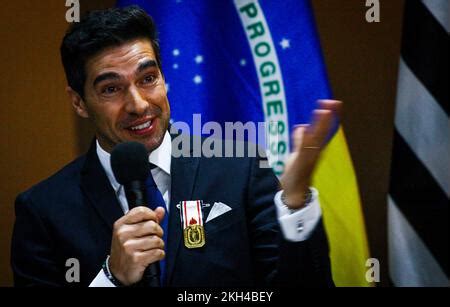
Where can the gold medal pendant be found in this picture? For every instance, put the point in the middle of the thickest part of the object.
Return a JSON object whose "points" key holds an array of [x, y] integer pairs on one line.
{"points": [[192, 218], [194, 236]]}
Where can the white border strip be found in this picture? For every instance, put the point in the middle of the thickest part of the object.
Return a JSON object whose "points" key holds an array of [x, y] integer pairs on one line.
{"points": [[271, 57], [440, 11], [424, 125], [410, 262]]}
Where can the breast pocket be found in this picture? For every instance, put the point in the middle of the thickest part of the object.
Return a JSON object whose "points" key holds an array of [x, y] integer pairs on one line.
{"points": [[223, 222]]}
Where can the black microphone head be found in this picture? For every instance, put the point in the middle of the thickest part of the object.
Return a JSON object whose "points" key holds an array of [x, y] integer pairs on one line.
{"points": [[129, 162]]}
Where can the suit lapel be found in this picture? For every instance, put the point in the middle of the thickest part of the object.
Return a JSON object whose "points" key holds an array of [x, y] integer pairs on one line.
{"points": [[183, 173], [98, 189]]}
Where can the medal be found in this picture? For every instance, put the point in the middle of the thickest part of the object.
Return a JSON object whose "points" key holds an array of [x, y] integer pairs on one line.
{"points": [[192, 220]]}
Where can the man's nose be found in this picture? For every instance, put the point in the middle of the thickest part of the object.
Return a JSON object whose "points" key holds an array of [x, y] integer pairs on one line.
{"points": [[136, 103]]}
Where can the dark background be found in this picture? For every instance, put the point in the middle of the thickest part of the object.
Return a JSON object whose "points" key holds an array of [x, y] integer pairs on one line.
{"points": [[40, 132]]}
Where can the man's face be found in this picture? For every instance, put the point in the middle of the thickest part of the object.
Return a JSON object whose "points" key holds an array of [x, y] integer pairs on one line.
{"points": [[125, 96]]}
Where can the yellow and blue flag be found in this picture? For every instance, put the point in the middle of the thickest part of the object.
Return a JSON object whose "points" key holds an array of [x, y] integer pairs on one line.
{"points": [[260, 61]]}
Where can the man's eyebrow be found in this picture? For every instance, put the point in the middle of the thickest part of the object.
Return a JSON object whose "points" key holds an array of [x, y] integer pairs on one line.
{"points": [[106, 76], [144, 65]]}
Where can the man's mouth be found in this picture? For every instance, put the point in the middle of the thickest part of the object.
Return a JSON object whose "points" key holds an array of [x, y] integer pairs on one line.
{"points": [[142, 128]]}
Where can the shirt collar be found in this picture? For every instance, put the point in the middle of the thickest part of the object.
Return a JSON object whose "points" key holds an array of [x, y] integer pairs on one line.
{"points": [[161, 157]]}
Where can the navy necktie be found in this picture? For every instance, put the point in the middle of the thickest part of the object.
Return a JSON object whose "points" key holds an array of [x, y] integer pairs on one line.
{"points": [[155, 199]]}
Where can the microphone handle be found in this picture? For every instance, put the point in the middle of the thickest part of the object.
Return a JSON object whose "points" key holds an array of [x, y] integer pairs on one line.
{"points": [[136, 195]]}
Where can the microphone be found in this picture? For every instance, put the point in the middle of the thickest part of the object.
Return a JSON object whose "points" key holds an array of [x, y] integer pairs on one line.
{"points": [[129, 162]]}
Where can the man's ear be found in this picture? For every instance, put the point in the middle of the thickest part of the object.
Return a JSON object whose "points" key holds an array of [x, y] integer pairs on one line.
{"points": [[77, 102]]}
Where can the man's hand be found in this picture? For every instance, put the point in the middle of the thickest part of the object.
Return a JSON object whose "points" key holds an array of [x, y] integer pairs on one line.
{"points": [[308, 141], [136, 243]]}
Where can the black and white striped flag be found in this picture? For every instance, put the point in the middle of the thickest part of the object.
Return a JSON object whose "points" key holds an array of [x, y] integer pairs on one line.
{"points": [[418, 200]]}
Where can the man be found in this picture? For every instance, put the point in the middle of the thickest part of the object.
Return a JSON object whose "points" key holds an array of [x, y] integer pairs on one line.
{"points": [[113, 67]]}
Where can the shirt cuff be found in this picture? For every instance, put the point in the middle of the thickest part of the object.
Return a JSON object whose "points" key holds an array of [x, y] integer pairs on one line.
{"points": [[297, 225], [101, 281]]}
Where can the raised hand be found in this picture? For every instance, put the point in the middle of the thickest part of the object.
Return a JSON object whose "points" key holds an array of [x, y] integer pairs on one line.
{"points": [[308, 140]]}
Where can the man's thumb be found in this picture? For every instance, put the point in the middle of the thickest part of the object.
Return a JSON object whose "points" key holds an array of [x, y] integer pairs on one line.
{"points": [[160, 212]]}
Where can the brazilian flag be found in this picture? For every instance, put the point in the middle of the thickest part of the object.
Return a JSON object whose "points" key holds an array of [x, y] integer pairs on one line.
{"points": [[260, 61]]}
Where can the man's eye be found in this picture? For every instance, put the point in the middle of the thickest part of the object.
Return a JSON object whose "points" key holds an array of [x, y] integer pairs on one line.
{"points": [[109, 90], [149, 80]]}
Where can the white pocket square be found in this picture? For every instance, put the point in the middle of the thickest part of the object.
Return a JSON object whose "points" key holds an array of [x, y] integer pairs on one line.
{"points": [[217, 209]]}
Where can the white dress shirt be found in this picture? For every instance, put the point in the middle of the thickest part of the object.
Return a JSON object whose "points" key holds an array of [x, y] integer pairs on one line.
{"points": [[296, 225]]}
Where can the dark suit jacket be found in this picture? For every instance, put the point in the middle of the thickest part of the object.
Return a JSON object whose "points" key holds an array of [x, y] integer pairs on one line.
{"points": [[71, 215]]}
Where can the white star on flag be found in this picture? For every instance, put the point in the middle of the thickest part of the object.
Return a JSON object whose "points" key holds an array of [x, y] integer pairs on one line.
{"points": [[176, 52], [243, 62], [197, 79], [199, 59], [175, 66], [285, 43]]}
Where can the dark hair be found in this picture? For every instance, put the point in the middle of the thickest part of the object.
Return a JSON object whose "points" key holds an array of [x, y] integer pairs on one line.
{"points": [[99, 30]]}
